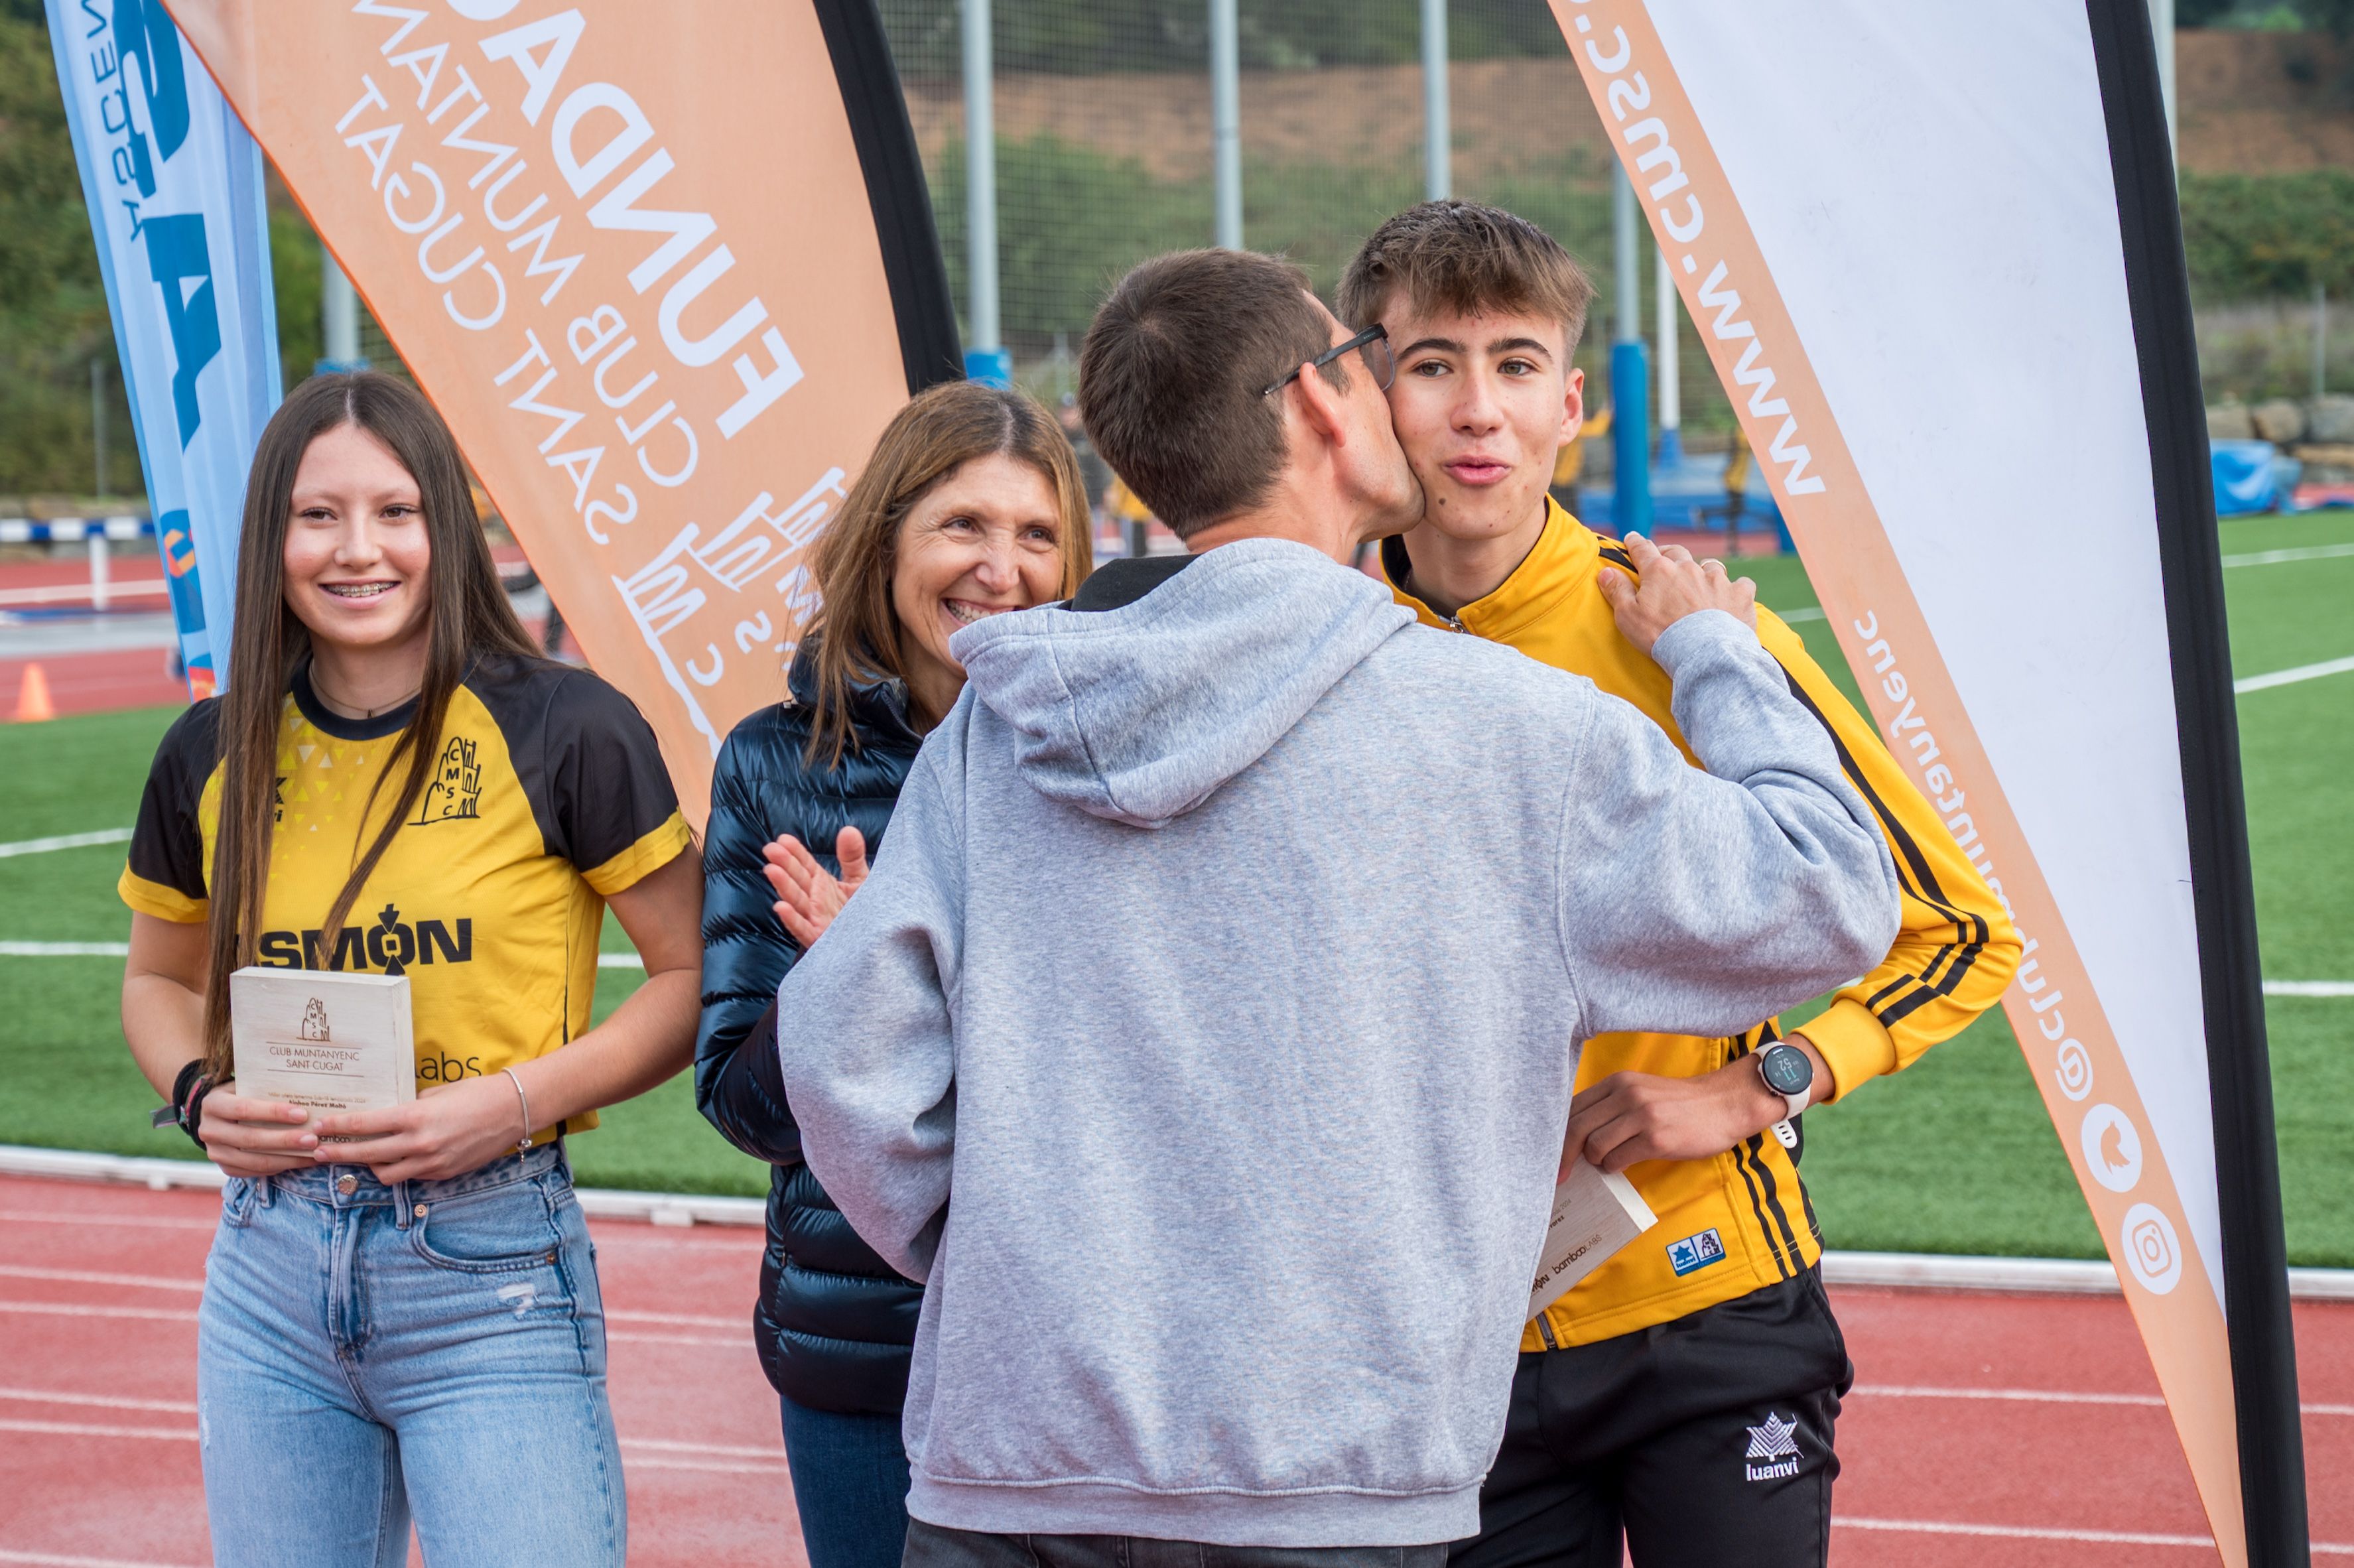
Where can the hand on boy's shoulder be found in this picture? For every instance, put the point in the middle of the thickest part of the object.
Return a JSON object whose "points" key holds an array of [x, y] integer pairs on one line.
{"points": [[1673, 586]]}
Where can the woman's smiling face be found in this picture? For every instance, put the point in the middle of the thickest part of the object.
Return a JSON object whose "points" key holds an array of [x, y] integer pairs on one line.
{"points": [[357, 551], [986, 539]]}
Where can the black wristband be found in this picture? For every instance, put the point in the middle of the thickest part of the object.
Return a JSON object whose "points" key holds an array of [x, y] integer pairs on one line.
{"points": [[188, 1092], [186, 1081]]}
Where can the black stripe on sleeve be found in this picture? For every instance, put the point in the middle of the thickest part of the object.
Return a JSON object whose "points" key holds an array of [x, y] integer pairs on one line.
{"points": [[1909, 857], [1890, 989], [1908, 851]]}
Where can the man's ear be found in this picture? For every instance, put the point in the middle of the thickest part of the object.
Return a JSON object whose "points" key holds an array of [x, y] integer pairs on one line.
{"points": [[1572, 404], [1322, 407]]}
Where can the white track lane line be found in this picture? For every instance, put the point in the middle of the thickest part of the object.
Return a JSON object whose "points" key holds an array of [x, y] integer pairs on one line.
{"points": [[2033, 1532], [624, 1337], [720, 1467], [87, 1277], [164, 1282], [714, 1450], [83, 1310], [157, 1222], [2048, 1396], [99, 1401], [51, 1560], [2031, 1395], [2026, 1532], [80, 1429], [66, 842], [673, 1455], [72, 1309], [2291, 677], [2300, 552], [625, 1235], [2309, 988]]}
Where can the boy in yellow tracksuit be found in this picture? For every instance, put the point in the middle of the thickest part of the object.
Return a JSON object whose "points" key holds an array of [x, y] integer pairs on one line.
{"points": [[1682, 1396]]}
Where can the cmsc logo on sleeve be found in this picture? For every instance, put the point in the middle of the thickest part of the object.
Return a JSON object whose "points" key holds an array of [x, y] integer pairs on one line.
{"points": [[1695, 1253]]}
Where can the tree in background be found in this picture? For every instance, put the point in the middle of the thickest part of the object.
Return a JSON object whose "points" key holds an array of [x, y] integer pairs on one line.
{"points": [[53, 318], [52, 304], [2334, 16]]}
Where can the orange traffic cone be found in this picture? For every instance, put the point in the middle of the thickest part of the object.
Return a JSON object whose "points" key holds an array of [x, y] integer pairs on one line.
{"points": [[32, 703]]}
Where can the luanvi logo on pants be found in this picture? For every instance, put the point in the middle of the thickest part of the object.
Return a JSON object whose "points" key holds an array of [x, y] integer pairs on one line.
{"points": [[1772, 1449]]}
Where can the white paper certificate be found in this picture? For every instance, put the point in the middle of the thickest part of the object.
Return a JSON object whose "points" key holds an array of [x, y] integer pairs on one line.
{"points": [[323, 1041], [1595, 1213]]}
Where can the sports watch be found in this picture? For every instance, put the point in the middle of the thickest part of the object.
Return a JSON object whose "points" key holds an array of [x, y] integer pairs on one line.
{"points": [[1789, 1073]]}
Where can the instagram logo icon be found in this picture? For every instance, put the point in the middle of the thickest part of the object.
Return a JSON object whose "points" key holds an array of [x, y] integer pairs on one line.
{"points": [[2151, 1249], [2073, 1072]]}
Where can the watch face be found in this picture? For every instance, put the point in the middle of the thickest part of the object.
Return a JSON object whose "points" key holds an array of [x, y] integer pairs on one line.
{"points": [[1785, 1069]]}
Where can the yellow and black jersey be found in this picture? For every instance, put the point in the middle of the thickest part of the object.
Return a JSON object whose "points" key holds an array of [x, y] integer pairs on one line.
{"points": [[1741, 1220], [547, 795]]}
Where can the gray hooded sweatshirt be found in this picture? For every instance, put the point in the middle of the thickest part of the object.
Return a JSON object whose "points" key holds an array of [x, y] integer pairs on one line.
{"points": [[1203, 1038]]}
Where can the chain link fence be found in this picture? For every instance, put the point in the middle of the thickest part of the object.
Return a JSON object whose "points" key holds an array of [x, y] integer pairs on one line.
{"points": [[1104, 149]]}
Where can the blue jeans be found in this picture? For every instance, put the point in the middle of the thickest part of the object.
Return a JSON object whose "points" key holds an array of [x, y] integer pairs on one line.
{"points": [[850, 1485], [365, 1352]]}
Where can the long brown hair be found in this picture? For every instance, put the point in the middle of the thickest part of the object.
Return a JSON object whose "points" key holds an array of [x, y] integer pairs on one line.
{"points": [[940, 430], [467, 615]]}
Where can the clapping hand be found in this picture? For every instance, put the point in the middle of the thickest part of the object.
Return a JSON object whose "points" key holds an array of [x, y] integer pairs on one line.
{"points": [[808, 895]]}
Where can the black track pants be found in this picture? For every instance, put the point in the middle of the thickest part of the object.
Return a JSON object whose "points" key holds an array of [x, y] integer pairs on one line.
{"points": [[1707, 1441]]}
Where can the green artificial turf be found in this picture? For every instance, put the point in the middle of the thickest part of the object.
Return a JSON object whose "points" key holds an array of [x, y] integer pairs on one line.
{"points": [[1879, 1164], [66, 1078], [1882, 1165]]}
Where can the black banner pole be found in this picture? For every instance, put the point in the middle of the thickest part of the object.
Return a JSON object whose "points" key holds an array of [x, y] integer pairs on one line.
{"points": [[2239, 1069], [912, 264]]}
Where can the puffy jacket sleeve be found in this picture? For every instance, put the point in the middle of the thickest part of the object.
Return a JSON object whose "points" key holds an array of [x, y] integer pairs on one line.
{"points": [[746, 953], [880, 1100]]}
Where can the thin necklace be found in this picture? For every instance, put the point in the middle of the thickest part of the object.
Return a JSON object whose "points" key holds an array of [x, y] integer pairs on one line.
{"points": [[338, 706]]}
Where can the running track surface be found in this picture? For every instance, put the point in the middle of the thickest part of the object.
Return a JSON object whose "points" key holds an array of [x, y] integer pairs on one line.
{"points": [[2019, 1430], [84, 680]]}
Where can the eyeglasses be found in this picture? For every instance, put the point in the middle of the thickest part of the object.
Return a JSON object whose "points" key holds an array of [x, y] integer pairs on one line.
{"points": [[1375, 341]]}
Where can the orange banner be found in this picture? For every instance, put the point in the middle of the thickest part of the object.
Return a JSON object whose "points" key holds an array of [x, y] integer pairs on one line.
{"points": [[2086, 1081], [629, 252]]}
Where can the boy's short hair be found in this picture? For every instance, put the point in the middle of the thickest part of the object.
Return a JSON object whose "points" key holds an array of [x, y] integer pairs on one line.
{"points": [[1173, 377], [1463, 259]]}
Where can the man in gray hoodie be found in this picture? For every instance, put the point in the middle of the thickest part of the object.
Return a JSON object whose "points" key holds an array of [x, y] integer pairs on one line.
{"points": [[1203, 1038]]}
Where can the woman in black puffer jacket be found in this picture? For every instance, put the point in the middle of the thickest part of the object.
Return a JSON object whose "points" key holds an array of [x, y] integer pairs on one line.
{"points": [[971, 506]]}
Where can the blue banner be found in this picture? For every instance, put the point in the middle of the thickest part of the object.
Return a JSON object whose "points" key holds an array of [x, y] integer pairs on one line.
{"points": [[174, 187]]}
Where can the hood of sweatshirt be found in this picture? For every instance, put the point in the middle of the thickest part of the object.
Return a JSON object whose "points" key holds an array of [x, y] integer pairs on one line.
{"points": [[1139, 713]]}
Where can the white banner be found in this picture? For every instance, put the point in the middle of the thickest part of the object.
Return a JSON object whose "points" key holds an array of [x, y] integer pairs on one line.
{"points": [[1918, 241]]}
